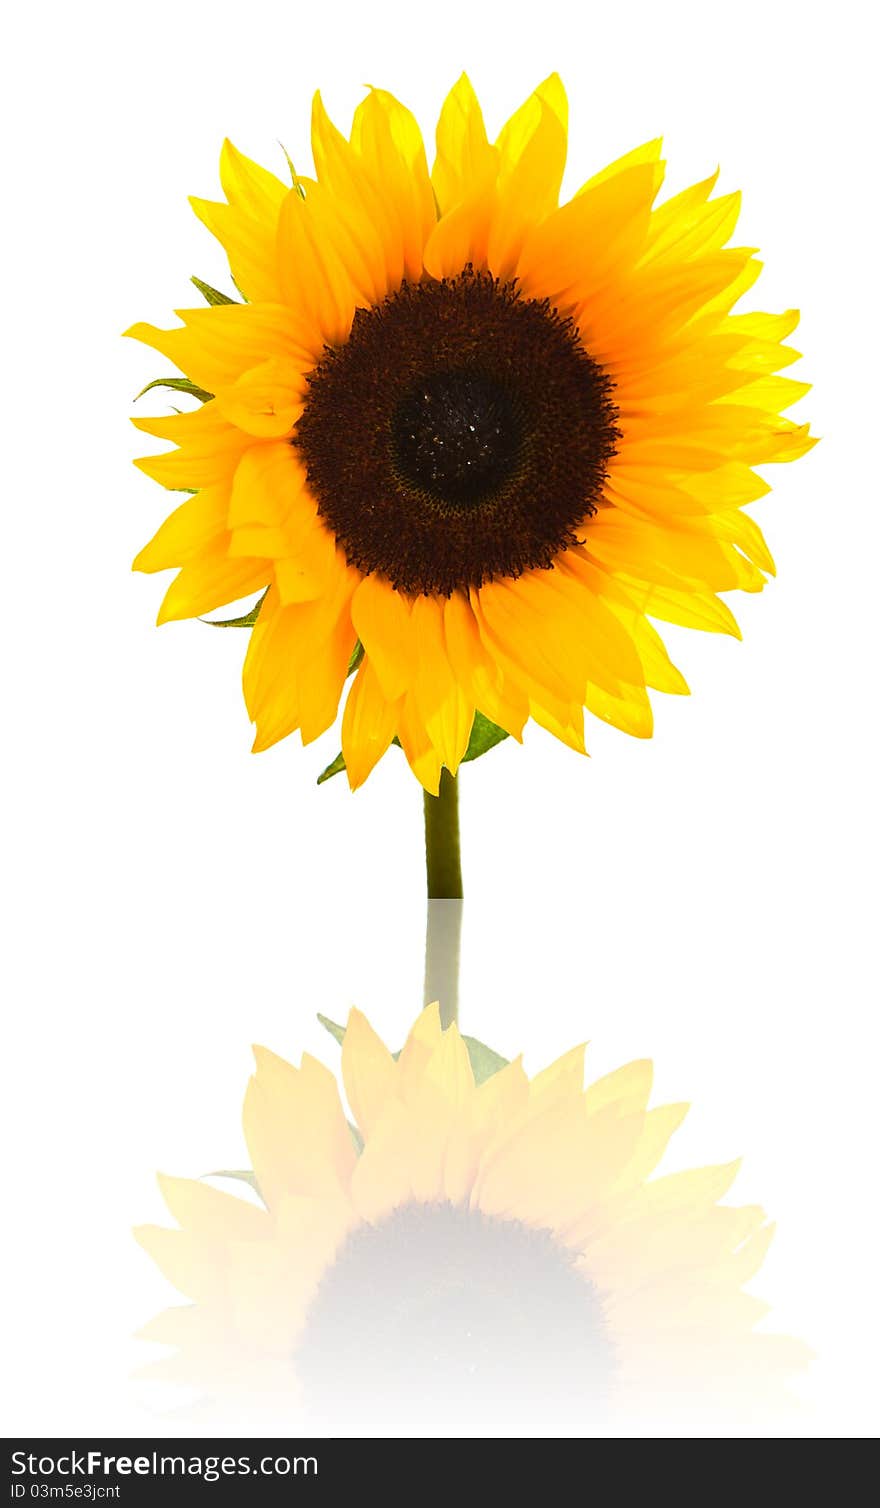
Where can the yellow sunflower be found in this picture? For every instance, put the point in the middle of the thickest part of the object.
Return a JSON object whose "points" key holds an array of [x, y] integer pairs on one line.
{"points": [[475, 1238], [463, 440]]}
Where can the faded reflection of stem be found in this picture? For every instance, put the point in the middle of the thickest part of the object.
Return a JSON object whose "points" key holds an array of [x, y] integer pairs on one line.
{"points": [[442, 956]]}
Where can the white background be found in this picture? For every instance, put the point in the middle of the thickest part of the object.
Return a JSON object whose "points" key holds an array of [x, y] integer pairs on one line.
{"points": [[706, 899]]}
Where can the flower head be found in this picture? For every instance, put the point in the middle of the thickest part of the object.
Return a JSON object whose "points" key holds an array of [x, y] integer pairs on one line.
{"points": [[481, 437], [467, 1240]]}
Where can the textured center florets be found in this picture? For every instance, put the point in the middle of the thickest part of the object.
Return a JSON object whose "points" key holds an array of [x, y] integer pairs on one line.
{"points": [[461, 434]]}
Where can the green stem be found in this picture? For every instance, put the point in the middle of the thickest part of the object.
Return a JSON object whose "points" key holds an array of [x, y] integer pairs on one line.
{"points": [[442, 842], [443, 933], [442, 958]]}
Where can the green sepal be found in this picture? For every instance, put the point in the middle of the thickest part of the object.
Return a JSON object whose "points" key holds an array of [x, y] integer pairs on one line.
{"points": [[212, 295], [485, 1061], [180, 385], [484, 736], [336, 768], [336, 1031], [247, 620]]}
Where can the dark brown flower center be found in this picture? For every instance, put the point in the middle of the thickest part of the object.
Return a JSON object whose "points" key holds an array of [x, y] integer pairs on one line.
{"points": [[461, 434], [438, 1303], [457, 436]]}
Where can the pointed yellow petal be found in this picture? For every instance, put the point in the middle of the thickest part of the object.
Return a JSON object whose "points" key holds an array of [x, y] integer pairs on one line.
{"points": [[464, 155], [368, 1070], [369, 724], [295, 1128]]}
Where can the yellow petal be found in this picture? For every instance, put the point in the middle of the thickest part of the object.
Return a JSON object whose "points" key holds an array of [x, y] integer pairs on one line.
{"points": [[423, 758], [368, 1070], [265, 401], [440, 701], [369, 724], [368, 216], [627, 1088], [211, 581], [386, 135], [295, 1128], [211, 1214], [246, 225], [196, 526], [382, 618], [321, 272], [297, 661], [464, 155], [611, 219], [216, 346], [532, 149]]}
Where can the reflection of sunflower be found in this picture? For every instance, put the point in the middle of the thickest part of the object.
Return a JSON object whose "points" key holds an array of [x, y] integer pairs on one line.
{"points": [[495, 1241], [481, 434]]}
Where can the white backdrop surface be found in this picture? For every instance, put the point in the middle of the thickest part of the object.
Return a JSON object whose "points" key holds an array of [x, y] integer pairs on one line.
{"points": [[707, 899]]}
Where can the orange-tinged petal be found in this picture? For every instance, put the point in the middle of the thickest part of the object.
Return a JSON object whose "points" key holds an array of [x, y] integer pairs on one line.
{"points": [[383, 620], [269, 488], [423, 758], [369, 724], [441, 703], [297, 661], [480, 677], [307, 568]]}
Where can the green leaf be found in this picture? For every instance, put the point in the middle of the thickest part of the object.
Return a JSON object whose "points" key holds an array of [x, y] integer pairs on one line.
{"points": [[357, 655], [212, 295], [484, 1060], [247, 620], [484, 736], [335, 768], [180, 385]]}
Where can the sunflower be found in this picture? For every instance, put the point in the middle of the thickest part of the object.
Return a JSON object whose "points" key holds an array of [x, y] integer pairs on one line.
{"points": [[470, 1238], [462, 440]]}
